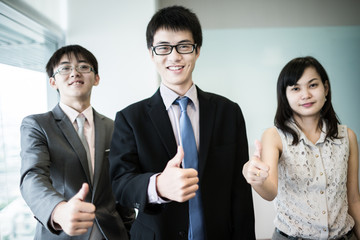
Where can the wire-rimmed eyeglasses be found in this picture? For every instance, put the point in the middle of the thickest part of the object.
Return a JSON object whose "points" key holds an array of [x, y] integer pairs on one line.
{"points": [[67, 69], [167, 49]]}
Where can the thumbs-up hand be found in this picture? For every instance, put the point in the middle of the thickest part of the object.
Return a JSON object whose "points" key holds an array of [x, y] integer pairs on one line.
{"points": [[81, 195], [75, 217], [176, 183], [255, 171], [177, 159], [257, 152]]}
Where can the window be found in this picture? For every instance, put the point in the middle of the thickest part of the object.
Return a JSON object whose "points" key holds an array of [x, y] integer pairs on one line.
{"points": [[25, 47], [22, 92]]}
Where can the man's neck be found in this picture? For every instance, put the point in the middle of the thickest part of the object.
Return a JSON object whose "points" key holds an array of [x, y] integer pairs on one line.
{"points": [[79, 106], [181, 90]]}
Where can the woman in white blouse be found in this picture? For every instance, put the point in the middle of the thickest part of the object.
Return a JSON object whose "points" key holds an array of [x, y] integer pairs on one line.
{"points": [[308, 162]]}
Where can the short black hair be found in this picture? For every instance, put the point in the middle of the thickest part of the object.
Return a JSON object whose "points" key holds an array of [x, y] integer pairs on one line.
{"points": [[176, 18], [78, 52]]}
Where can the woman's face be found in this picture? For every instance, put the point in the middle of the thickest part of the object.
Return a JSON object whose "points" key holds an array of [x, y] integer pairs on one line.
{"points": [[307, 97]]}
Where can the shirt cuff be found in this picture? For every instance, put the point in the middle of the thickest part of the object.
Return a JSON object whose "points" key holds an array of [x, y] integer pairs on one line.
{"points": [[153, 196], [53, 225]]}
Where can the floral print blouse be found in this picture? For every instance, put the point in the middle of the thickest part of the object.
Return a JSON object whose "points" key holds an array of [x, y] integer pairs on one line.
{"points": [[312, 193]]}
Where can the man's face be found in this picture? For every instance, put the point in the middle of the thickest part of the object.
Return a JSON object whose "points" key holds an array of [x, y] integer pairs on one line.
{"points": [[74, 86], [175, 69]]}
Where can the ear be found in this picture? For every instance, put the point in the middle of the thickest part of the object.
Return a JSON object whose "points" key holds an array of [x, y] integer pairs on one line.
{"points": [[97, 80], [151, 54], [197, 52], [52, 82], [326, 86]]}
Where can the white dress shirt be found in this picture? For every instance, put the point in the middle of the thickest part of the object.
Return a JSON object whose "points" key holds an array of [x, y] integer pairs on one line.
{"points": [[89, 128]]}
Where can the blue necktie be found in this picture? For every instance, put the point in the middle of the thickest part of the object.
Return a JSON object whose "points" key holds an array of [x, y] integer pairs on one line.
{"points": [[196, 226]]}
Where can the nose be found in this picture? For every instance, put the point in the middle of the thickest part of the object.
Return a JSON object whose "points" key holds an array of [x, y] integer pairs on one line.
{"points": [[306, 94], [174, 55], [74, 72]]}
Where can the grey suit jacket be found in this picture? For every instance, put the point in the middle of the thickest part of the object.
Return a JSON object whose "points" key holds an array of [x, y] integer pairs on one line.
{"points": [[54, 166]]}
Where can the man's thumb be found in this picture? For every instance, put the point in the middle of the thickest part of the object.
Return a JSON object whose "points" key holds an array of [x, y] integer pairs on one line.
{"points": [[177, 159], [257, 151], [81, 195]]}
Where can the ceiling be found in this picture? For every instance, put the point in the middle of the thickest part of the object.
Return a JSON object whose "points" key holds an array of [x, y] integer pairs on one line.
{"points": [[215, 14]]}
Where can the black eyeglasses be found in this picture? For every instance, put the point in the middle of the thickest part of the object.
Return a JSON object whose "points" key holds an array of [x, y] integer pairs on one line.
{"points": [[167, 49], [67, 69]]}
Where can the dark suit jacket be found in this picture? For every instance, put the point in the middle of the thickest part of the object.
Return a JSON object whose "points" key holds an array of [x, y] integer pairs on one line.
{"points": [[54, 166], [143, 142]]}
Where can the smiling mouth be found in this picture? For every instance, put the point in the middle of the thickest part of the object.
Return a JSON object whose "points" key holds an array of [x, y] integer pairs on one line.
{"points": [[77, 83], [307, 104], [175, 68]]}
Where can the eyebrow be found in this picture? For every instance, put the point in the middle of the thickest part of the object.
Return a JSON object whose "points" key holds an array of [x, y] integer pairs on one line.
{"points": [[67, 62], [168, 43], [310, 81]]}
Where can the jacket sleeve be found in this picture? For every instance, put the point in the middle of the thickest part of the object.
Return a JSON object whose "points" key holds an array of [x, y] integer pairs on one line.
{"points": [[129, 181], [35, 183]]}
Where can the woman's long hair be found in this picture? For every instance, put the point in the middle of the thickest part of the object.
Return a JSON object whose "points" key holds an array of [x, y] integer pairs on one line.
{"points": [[289, 76]]}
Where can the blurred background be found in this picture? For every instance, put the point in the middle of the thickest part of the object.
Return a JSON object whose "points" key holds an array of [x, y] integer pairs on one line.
{"points": [[246, 44]]}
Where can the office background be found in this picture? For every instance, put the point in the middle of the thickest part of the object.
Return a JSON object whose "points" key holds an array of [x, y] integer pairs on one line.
{"points": [[246, 44]]}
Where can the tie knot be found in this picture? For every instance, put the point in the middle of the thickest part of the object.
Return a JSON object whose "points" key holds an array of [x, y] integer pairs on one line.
{"points": [[183, 102], [80, 120]]}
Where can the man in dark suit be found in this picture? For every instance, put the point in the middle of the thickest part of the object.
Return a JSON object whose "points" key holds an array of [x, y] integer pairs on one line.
{"points": [[147, 167], [64, 173]]}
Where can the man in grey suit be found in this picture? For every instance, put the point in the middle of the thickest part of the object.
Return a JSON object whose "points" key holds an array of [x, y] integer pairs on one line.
{"points": [[64, 172]]}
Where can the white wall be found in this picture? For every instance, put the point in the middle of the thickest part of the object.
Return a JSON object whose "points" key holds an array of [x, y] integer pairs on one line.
{"points": [[243, 64], [114, 30]]}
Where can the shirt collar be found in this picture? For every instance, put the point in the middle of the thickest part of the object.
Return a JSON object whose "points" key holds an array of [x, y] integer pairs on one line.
{"points": [[169, 96], [73, 114]]}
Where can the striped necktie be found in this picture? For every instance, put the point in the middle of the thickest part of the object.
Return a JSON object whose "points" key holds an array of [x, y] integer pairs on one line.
{"points": [[80, 120]]}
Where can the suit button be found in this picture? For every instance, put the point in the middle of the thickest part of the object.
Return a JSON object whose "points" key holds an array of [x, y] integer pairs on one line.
{"points": [[183, 234]]}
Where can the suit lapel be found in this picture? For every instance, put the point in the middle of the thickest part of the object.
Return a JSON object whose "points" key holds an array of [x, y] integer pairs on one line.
{"points": [[162, 124], [72, 137], [100, 132], [206, 118]]}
